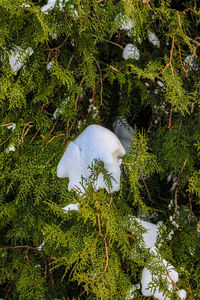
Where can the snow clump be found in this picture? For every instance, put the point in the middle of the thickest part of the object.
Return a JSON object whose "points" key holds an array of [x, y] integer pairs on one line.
{"points": [[131, 51], [18, 57], [95, 142], [124, 132]]}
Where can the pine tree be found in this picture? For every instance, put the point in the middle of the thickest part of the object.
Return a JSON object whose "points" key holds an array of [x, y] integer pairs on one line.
{"points": [[64, 66]]}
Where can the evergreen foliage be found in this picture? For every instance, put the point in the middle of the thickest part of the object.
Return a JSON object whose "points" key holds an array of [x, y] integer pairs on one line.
{"points": [[70, 73]]}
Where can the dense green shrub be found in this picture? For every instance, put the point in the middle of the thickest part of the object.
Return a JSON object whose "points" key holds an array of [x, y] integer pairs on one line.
{"points": [[71, 74]]}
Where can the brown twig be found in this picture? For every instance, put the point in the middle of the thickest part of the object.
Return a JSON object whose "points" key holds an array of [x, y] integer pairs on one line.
{"points": [[128, 164], [18, 247], [67, 145], [106, 265], [61, 134], [113, 68], [188, 9], [34, 136], [191, 210], [179, 19], [52, 129], [99, 223], [43, 106], [9, 289], [6, 139], [170, 59], [170, 118], [194, 237], [100, 73], [113, 43], [23, 131], [175, 204], [146, 188], [50, 158], [7, 124], [182, 62], [131, 236], [58, 47], [172, 281], [110, 42]]}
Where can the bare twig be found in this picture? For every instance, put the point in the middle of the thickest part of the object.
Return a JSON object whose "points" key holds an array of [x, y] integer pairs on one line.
{"points": [[146, 188], [128, 164], [23, 131], [101, 102], [34, 136], [113, 68], [50, 158], [110, 42], [52, 129], [7, 124], [6, 139], [170, 59], [172, 281], [175, 204], [131, 236], [170, 118], [61, 134], [99, 223]]}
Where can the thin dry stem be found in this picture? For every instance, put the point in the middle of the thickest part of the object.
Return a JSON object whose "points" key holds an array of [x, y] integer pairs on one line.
{"points": [[146, 188], [7, 124], [113, 68], [128, 164], [170, 59], [53, 127], [170, 118], [6, 139], [101, 80]]}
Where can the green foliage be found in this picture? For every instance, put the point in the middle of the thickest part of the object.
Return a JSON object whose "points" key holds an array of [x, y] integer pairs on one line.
{"points": [[70, 73]]}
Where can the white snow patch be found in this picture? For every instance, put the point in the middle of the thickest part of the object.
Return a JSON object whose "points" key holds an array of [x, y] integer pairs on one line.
{"points": [[182, 294], [190, 62], [150, 236], [153, 39], [127, 25], [50, 5], [124, 132], [41, 246], [71, 207], [169, 178], [18, 57], [12, 126], [160, 83], [131, 51], [25, 5], [10, 148], [148, 277], [95, 142], [131, 292], [50, 65]]}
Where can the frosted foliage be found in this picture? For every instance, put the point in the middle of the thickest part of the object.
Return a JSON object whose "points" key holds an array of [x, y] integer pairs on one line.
{"points": [[151, 233], [131, 51], [50, 5], [153, 39], [18, 57], [95, 142], [70, 207], [147, 279], [182, 294], [124, 132], [127, 25]]}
